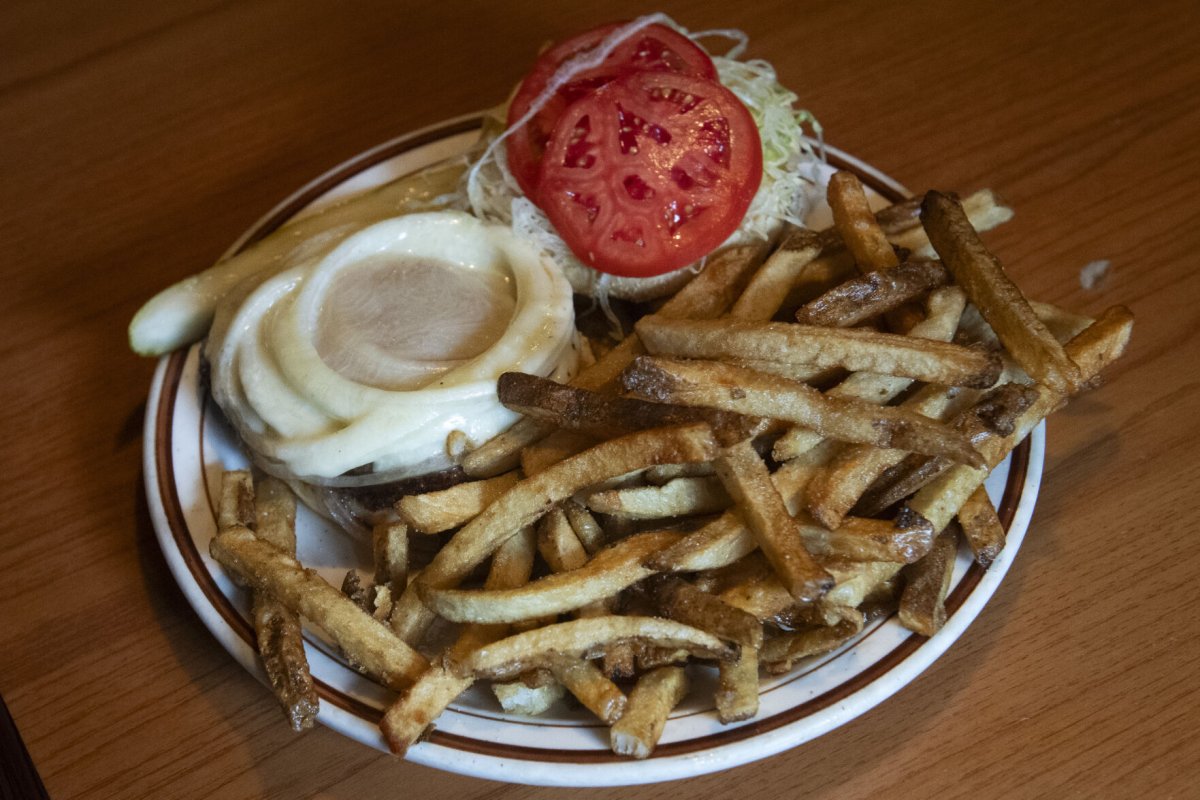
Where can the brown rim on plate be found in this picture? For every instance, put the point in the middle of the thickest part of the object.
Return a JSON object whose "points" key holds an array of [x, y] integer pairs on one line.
{"points": [[176, 520]]}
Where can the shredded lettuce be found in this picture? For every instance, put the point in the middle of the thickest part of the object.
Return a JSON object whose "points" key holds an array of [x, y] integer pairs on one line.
{"points": [[490, 192]]}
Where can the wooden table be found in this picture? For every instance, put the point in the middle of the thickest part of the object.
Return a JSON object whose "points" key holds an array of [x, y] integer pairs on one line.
{"points": [[138, 139]]}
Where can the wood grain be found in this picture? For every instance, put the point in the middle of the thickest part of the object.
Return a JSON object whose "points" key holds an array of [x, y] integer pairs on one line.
{"points": [[138, 139]]}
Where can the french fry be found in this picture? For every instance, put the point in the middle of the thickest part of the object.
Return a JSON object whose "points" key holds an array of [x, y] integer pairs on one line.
{"points": [[682, 602], [857, 581], [755, 589], [406, 720], [718, 385], [854, 220], [586, 528], [1093, 349], [769, 287], [995, 413], [582, 637], [736, 697], [780, 653], [588, 684], [365, 641], [904, 540], [235, 506], [271, 510], [923, 606], [390, 547], [608, 572], [518, 697], [944, 308], [556, 447], [981, 527], [502, 453], [861, 298], [854, 349], [748, 482], [794, 266], [640, 726], [558, 543], [719, 543], [275, 514], [526, 502], [604, 415], [680, 497], [998, 299], [434, 512], [833, 491]]}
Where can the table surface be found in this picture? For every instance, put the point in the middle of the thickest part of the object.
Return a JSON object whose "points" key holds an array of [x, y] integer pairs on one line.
{"points": [[138, 139]]}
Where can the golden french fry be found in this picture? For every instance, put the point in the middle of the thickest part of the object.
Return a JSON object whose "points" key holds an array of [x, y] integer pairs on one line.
{"points": [[905, 540], [580, 638], [922, 606], [560, 445], [681, 497], [944, 308], [780, 653], [834, 490], [1093, 349], [271, 509], [502, 453], [605, 415], [770, 285], [608, 572], [854, 220], [855, 349], [235, 507], [363, 639], [861, 298], [281, 646], [717, 385], [434, 512], [526, 502], [586, 528], [981, 527], [737, 688], [275, 514], [558, 543], [714, 290], [588, 684], [682, 602], [406, 720], [518, 697], [640, 726], [390, 547], [994, 414], [749, 483], [998, 299]]}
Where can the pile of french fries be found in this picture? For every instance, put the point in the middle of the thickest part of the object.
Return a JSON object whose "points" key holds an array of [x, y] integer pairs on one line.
{"points": [[793, 443]]}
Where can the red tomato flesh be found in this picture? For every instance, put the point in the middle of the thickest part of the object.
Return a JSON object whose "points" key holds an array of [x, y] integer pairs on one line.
{"points": [[650, 173], [655, 48]]}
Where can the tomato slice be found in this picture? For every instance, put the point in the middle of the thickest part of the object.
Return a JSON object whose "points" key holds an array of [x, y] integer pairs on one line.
{"points": [[655, 47], [650, 173]]}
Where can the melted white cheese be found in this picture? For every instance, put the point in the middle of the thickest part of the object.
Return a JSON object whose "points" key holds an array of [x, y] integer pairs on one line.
{"points": [[371, 355]]}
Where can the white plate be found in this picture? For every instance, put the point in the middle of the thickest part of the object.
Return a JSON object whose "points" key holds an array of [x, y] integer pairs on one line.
{"points": [[187, 447]]}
